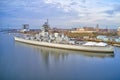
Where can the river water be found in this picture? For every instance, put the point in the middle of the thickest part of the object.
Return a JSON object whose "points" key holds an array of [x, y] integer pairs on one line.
{"points": [[20, 61]]}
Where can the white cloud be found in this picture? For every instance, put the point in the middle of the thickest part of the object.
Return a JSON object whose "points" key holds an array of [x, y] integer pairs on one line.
{"points": [[63, 11], [88, 9]]}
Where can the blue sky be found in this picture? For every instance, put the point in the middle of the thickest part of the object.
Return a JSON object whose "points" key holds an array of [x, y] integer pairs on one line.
{"points": [[61, 13]]}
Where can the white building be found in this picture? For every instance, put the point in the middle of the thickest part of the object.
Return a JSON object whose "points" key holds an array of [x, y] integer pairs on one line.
{"points": [[118, 31], [25, 28]]}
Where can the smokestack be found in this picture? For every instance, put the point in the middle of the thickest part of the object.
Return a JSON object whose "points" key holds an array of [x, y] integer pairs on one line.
{"points": [[47, 21]]}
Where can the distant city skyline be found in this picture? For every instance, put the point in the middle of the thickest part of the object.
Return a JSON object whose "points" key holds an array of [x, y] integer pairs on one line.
{"points": [[61, 13]]}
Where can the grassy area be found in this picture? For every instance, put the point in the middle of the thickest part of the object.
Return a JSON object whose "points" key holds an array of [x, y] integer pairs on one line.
{"points": [[79, 35], [91, 35]]}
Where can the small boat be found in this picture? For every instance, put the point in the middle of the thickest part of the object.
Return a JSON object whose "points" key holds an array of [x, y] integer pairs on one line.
{"points": [[117, 45]]}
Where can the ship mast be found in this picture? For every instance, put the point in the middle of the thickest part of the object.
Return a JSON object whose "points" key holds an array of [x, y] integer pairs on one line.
{"points": [[46, 26]]}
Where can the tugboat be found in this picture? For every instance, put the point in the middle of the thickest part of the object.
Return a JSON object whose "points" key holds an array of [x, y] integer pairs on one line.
{"points": [[59, 40]]}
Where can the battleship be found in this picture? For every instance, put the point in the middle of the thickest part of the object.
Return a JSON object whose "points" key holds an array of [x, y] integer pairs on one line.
{"points": [[59, 40]]}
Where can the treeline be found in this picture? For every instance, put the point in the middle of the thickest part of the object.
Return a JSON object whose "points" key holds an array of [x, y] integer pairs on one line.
{"points": [[80, 35], [91, 35]]}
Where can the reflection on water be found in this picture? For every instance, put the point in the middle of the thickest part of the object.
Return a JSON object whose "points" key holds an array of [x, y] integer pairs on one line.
{"points": [[20, 61], [53, 56], [62, 53]]}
